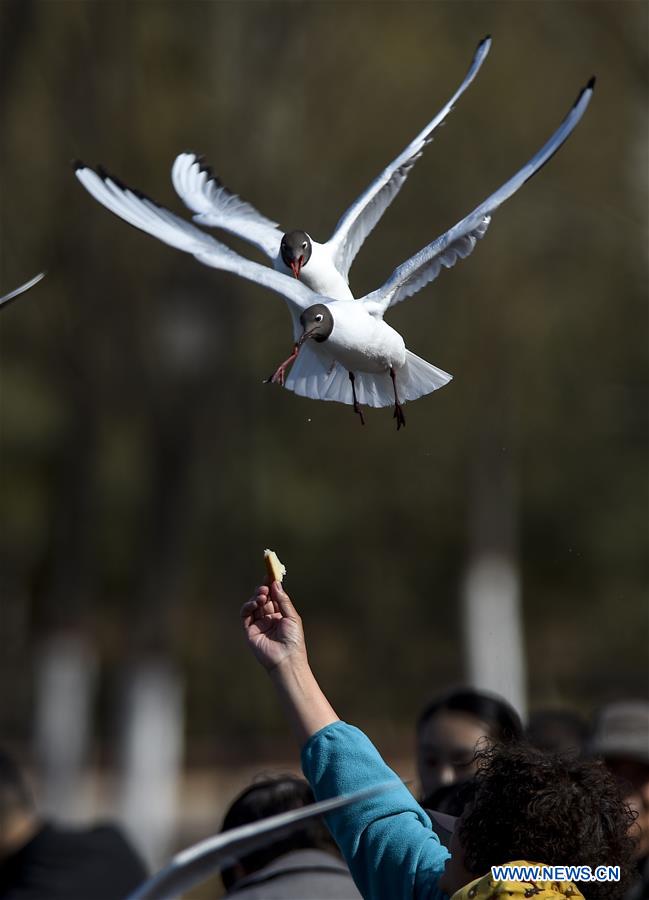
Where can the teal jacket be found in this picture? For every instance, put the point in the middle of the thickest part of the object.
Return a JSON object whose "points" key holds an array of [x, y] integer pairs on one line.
{"points": [[387, 840]]}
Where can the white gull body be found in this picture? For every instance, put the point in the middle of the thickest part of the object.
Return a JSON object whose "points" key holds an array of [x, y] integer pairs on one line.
{"points": [[363, 343], [320, 273]]}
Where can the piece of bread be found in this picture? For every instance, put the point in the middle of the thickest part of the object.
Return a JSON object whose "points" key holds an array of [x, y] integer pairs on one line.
{"points": [[276, 571]]}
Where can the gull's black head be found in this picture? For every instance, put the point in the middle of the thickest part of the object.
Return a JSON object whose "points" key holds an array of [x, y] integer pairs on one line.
{"points": [[318, 323], [296, 250]]}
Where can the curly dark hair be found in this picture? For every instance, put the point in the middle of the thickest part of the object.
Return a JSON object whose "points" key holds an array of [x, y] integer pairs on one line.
{"points": [[547, 808]]}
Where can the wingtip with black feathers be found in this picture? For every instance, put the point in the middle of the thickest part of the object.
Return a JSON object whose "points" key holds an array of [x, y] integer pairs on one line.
{"points": [[105, 175], [198, 159], [209, 171], [589, 87]]}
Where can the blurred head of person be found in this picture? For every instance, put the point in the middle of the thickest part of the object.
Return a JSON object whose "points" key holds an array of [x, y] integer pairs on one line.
{"points": [[620, 737], [18, 818], [544, 808], [557, 731], [267, 798], [453, 727]]}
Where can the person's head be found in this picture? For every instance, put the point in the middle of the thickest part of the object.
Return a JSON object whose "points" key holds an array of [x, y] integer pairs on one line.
{"points": [[267, 798], [557, 731], [453, 727], [546, 808], [17, 810], [621, 738]]}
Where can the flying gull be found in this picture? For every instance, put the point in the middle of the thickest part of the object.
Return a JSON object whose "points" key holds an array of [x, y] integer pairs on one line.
{"points": [[323, 267], [343, 350]]}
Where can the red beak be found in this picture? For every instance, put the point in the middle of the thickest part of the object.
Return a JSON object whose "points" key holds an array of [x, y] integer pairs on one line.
{"points": [[296, 266]]}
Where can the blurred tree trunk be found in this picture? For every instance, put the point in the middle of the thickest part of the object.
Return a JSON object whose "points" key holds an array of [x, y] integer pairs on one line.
{"points": [[493, 632], [151, 755], [66, 668]]}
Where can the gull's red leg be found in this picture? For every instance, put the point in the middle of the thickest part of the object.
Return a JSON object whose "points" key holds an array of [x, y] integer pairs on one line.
{"points": [[398, 411], [357, 408], [280, 373]]}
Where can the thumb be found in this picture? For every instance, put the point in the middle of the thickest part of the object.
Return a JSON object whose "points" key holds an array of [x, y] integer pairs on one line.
{"points": [[284, 603]]}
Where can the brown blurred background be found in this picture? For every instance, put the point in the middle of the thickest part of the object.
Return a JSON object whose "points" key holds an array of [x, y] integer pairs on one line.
{"points": [[144, 466]]}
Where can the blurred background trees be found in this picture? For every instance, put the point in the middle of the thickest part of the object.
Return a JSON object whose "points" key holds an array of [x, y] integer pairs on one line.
{"points": [[144, 467]]}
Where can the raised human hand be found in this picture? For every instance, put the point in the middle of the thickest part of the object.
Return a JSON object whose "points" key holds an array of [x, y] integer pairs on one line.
{"points": [[272, 627]]}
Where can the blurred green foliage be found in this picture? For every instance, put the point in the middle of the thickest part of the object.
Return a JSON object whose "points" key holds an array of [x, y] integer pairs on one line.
{"points": [[144, 465]]}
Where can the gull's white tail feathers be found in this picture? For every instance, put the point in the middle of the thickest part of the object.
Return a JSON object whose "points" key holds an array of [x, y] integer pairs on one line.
{"points": [[418, 378], [316, 376]]}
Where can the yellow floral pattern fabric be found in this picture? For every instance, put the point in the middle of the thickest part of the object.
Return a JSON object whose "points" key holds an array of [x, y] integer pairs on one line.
{"points": [[487, 888]]}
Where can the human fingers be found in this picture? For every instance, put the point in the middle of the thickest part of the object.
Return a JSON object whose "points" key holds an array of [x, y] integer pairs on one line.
{"points": [[248, 608], [257, 606], [265, 610], [259, 597], [282, 601]]}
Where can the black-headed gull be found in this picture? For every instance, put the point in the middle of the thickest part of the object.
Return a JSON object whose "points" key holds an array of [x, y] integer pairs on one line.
{"points": [[323, 267], [4, 301], [343, 350]]}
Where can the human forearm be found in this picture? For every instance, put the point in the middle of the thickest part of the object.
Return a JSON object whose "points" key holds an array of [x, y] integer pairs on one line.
{"points": [[305, 705], [275, 635]]}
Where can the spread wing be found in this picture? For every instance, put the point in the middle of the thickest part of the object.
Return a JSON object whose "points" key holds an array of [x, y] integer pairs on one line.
{"points": [[459, 241], [197, 863], [361, 217], [6, 300], [214, 205], [140, 211]]}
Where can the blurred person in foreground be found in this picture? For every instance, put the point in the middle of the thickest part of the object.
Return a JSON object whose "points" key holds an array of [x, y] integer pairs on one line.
{"points": [[305, 864], [451, 729], [42, 861], [621, 738], [526, 805]]}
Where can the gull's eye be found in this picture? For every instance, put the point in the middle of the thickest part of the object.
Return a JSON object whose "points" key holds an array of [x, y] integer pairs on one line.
{"points": [[319, 317], [304, 245]]}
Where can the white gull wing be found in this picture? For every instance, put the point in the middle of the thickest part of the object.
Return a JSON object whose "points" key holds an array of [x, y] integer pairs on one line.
{"points": [[361, 217], [6, 300], [216, 206], [197, 863], [459, 241], [140, 211]]}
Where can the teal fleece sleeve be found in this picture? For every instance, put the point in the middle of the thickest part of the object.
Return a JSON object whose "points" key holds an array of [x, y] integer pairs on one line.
{"points": [[387, 840]]}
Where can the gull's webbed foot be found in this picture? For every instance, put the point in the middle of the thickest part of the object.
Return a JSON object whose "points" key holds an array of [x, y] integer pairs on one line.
{"points": [[399, 416], [279, 376], [398, 410]]}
